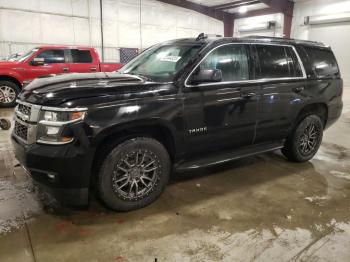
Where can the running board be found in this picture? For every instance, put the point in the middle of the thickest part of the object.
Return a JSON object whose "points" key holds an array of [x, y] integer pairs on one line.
{"points": [[227, 156]]}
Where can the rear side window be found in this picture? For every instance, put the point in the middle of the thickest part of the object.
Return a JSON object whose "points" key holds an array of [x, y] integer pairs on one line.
{"points": [[293, 63], [232, 60], [52, 56], [323, 62], [81, 56], [278, 62]]}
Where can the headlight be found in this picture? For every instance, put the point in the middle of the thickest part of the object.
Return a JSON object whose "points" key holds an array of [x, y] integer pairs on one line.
{"points": [[52, 123], [61, 118]]}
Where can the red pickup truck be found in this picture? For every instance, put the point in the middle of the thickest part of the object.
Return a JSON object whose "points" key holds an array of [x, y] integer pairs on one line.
{"points": [[44, 61]]}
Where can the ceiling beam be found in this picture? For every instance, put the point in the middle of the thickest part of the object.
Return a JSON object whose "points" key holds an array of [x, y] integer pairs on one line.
{"points": [[225, 17], [265, 11], [236, 3], [205, 10], [280, 6]]}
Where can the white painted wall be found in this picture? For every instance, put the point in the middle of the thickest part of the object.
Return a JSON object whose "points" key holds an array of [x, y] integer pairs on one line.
{"points": [[314, 8], [28, 23], [336, 35], [264, 19]]}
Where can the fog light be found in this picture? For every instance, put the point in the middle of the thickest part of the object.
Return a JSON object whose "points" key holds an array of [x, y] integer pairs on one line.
{"points": [[52, 130]]}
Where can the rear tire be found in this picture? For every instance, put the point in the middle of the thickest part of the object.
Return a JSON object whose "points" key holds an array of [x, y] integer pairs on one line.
{"points": [[8, 93], [133, 174], [305, 141]]}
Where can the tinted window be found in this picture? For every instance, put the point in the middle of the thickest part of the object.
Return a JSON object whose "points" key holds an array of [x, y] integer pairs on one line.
{"points": [[323, 62], [81, 56], [232, 60], [273, 61], [54, 56], [293, 63]]}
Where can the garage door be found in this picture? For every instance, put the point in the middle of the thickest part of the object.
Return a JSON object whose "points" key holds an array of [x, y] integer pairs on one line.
{"points": [[268, 33], [338, 37]]}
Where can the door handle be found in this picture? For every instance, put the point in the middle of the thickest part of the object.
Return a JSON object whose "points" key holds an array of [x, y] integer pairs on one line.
{"points": [[248, 95], [299, 89], [65, 69], [93, 69]]}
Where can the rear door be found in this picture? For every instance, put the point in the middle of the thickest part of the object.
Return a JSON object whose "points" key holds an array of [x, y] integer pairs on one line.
{"points": [[222, 115], [82, 61], [54, 63], [282, 78]]}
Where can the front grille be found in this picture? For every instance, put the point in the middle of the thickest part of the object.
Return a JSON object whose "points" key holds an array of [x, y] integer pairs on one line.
{"points": [[26, 119], [21, 131], [24, 109]]}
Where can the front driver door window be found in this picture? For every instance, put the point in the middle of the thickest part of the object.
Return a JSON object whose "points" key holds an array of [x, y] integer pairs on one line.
{"points": [[54, 63], [232, 60], [53, 56]]}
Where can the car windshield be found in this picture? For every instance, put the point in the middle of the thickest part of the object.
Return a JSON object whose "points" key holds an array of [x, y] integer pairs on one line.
{"points": [[162, 62], [26, 55]]}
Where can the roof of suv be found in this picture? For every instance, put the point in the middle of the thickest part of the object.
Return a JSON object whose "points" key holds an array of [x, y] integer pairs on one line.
{"points": [[250, 39]]}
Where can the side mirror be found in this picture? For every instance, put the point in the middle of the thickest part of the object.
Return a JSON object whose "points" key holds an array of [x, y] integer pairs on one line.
{"points": [[207, 76], [38, 61]]}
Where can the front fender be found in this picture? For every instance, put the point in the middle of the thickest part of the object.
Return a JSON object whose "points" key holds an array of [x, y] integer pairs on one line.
{"points": [[135, 124], [10, 73]]}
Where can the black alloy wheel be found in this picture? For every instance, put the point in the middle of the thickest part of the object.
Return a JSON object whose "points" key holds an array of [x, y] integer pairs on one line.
{"points": [[136, 174], [133, 173], [304, 142], [309, 139]]}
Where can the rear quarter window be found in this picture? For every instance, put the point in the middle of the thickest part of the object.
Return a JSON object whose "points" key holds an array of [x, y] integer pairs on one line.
{"points": [[323, 63]]}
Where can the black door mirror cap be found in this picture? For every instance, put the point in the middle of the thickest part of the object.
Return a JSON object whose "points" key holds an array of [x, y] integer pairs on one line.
{"points": [[207, 76]]}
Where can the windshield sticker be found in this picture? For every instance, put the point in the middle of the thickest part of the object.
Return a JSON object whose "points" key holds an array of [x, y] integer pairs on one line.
{"points": [[170, 58]]}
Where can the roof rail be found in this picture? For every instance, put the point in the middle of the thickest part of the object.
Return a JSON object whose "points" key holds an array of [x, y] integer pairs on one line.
{"points": [[206, 36], [259, 37]]}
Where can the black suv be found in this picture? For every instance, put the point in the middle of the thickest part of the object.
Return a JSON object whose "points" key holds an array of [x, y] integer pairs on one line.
{"points": [[180, 105]]}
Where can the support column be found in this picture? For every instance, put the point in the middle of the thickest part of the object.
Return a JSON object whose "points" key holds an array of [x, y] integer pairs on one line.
{"points": [[287, 25], [228, 25]]}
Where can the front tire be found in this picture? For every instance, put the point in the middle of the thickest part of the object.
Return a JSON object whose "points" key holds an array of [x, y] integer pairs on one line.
{"points": [[134, 174], [8, 93], [305, 141]]}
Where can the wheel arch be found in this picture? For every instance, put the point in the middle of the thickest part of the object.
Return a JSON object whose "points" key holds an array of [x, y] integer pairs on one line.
{"points": [[320, 109], [109, 138], [11, 79]]}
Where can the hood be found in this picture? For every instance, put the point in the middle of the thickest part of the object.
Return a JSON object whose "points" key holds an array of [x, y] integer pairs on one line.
{"points": [[8, 64], [57, 90]]}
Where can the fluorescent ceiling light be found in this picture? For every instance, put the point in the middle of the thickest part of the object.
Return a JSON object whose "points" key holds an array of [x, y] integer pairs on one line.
{"points": [[243, 9]]}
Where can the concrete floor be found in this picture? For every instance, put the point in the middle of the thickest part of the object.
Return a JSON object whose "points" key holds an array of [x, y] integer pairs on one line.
{"points": [[260, 208]]}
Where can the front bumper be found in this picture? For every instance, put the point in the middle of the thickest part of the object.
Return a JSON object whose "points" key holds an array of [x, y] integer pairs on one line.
{"points": [[63, 171]]}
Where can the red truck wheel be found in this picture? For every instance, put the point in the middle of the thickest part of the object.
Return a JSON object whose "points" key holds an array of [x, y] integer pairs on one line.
{"points": [[8, 93]]}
